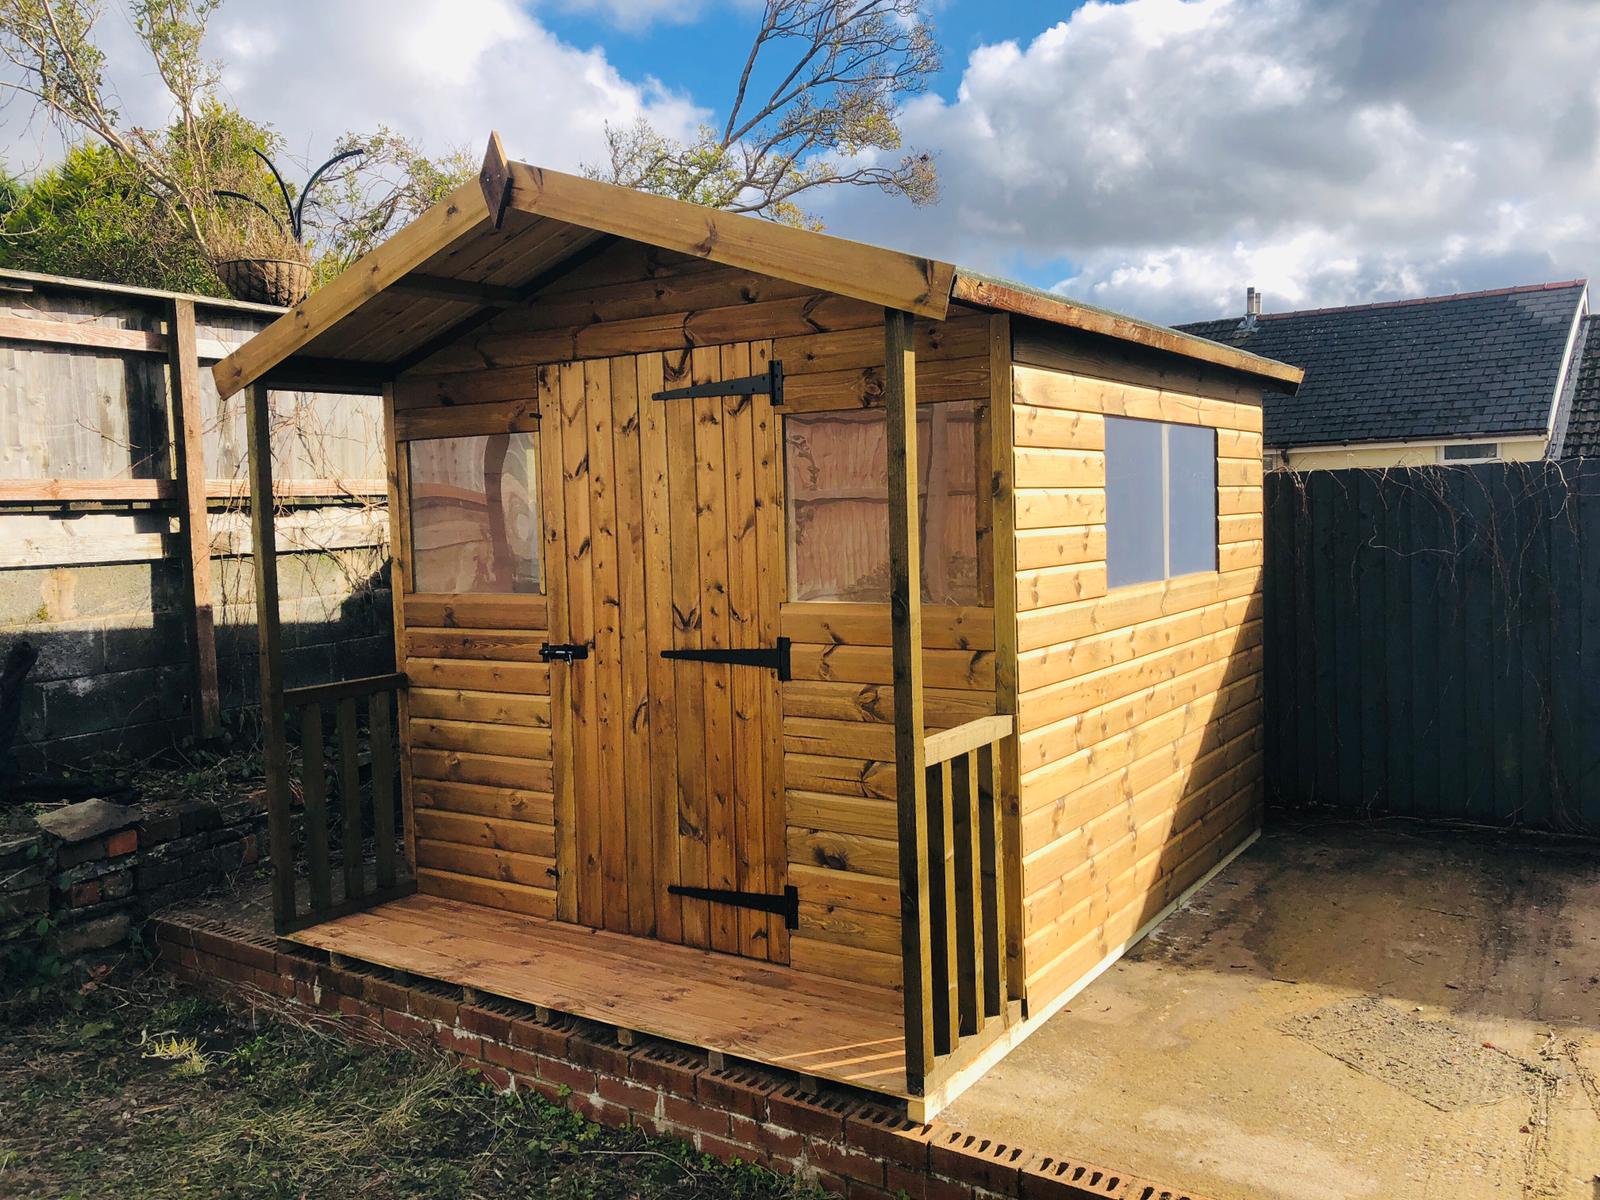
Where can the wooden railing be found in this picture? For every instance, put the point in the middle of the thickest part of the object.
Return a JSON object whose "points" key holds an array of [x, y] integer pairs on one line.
{"points": [[341, 810], [961, 901]]}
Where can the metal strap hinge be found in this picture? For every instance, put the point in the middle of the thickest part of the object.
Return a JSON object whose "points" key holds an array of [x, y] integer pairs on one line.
{"points": [[768, 383], [785, 904], [774, 659]]}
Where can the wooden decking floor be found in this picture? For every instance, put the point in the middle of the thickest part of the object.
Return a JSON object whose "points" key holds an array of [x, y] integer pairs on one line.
{"points": [[828, 1029]]}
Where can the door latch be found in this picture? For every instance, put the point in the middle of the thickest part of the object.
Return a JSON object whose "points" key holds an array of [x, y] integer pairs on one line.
{"points": [[565, 651]]}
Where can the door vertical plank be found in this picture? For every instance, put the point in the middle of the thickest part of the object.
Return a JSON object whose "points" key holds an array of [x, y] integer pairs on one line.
{"points": [[711, 493], [745, 683], [610, 801], [771, 588], [564, 726], [658, 634], [580, 628], [686, 635], [640, 833]]}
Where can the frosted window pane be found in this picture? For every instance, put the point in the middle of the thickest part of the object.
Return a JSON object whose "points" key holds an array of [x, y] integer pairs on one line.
{"points": [[1192, 499], [475, 514], [837, 479], [1134, 517]]}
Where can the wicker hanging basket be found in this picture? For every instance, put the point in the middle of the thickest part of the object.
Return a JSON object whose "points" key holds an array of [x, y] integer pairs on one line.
{"points": [[280, 281]]}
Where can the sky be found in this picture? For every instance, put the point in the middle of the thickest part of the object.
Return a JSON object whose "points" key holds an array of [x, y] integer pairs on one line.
{"points": [[1152, 156]]}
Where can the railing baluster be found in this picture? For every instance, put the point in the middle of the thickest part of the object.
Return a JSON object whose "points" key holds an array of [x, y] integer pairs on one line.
{"points": [[314, 787], [986, 788], [969, 892], [382, 785], [355, 875], [942, 915]]}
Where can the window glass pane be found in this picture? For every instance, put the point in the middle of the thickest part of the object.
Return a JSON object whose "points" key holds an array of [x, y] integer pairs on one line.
{"points": [[1192, 499], [1134, 517], [837, 478], [475, 514]]}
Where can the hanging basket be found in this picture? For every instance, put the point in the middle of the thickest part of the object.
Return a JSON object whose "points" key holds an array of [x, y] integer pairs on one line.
{"points": [[280, 281]]}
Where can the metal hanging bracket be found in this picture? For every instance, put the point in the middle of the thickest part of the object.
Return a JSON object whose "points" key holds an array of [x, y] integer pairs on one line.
{"points": [[768, 383]]}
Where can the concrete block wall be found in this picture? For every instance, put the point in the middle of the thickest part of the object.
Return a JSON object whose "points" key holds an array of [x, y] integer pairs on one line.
{"points": [[114, 669]]}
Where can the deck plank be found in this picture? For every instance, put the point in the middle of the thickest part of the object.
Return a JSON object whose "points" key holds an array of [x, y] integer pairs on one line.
{"points": [[829, 1029]]}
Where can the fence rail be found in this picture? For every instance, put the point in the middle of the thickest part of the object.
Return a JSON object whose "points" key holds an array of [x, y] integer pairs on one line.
{"points": [[1433, 642]]}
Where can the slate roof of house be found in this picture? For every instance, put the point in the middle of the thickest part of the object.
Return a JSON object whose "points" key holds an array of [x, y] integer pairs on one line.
{"points": [[1478, 364], [1583, 426]]}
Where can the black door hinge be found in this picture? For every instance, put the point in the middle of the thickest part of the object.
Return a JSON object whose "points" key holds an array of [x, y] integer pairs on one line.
{"points": [[565, 651], [774, 659], [768, 383], [785, 904]]}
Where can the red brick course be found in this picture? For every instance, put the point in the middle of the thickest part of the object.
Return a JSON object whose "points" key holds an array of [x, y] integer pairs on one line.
{"points": [[849, 1144]]}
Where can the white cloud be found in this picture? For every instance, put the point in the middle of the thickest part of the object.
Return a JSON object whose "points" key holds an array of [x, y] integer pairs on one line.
{"points": [[442, 73], [1162, 154]]}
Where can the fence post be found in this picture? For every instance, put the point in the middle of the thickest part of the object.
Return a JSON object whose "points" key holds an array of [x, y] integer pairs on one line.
{"points": [[183, 373]]}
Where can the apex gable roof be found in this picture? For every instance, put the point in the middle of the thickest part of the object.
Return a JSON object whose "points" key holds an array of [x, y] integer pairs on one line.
{"points": [[498, 241], [1475, 365]]}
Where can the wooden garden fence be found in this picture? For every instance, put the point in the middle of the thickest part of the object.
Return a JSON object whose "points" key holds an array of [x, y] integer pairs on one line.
{"points": [[1433, 642]]}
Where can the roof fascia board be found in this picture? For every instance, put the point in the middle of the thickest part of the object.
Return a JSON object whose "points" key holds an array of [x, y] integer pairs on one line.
{"points": [[989, 294], [461, 212], [1569, 355], [869, 273], [1522, 435]]}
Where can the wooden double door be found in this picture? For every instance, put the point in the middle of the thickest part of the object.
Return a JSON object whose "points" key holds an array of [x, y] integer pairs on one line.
{"points": [[664, 552]]}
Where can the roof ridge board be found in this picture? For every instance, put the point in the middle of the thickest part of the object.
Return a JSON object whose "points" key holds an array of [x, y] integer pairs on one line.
{"points": [[1419, 301]]}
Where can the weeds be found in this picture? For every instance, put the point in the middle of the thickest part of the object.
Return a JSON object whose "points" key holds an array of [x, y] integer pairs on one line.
{"points": [[148, 1093]]}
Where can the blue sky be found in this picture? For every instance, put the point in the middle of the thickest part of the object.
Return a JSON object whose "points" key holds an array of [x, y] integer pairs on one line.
{"points": [[1153, 156], [678, 53]]}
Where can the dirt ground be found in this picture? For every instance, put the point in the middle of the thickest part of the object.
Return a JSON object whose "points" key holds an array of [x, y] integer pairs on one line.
{"points": [[140, 1091], [1344, 1012]]}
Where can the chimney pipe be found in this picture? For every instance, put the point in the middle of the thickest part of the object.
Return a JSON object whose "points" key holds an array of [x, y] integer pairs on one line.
{"points": [[1252, 303]]}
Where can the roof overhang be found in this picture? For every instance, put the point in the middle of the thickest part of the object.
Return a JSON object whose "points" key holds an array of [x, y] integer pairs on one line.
{"points": [[498, 241]]}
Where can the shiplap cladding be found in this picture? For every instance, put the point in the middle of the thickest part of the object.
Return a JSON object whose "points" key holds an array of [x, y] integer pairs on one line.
{"points": [[1139, 708], [662, 319]]}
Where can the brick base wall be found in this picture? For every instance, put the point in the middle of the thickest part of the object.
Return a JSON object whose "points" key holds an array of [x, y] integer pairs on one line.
{"points": [[850, 1144]]}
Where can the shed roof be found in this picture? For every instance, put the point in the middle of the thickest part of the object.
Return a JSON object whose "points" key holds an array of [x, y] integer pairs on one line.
{"points": [[499, 240], [1478, 364]]}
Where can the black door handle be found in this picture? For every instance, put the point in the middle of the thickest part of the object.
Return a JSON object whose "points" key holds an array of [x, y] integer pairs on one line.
{"points": [[565, 651]]}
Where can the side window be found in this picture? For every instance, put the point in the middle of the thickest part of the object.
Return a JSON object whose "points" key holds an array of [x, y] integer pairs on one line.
{"points": [[837, 479], [475, 514], [1161, 500]]}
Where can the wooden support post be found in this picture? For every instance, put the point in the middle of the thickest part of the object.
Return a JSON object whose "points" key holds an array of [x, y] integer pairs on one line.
{"points": [[905, 614], [264, 547], [398, 481], [188, 429], [1006, 772]]}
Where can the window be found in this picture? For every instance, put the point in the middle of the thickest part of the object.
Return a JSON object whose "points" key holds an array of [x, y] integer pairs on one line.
{"points": [[1470, 452], [837, 474], [1161, 500], [475, 514]]}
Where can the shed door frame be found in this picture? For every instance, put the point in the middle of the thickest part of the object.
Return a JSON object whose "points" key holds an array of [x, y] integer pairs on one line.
{"points": [[666, 771]]}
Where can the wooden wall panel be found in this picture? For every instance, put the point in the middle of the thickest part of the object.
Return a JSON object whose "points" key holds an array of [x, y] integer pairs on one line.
{"points": [[479, 749], [1139, 709]]}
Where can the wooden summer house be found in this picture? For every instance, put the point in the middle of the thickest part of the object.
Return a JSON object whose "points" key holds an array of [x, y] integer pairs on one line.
{"points": [[807, 651]]}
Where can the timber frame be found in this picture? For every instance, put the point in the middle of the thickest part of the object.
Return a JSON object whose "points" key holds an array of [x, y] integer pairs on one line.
{"points": [[997, 889]]}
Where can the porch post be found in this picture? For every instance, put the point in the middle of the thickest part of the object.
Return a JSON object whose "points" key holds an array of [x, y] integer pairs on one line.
{"points": [[905, 615], [264, 547]]}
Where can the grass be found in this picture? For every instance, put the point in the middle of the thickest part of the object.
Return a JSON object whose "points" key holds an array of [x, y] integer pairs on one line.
{"points": [[137, 1090]]}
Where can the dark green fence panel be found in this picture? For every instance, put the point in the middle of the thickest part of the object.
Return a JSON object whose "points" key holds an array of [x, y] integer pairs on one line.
{"points": [[1434, 642]]}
